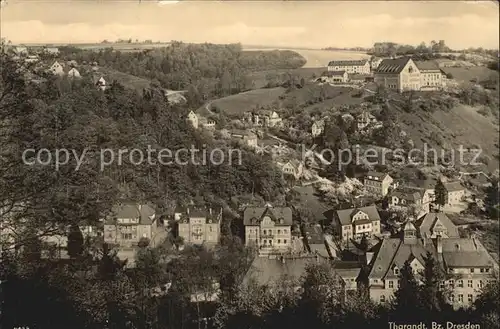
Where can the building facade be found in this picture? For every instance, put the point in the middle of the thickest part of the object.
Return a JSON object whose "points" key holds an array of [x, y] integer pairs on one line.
{"points": [[268, 228], [56, 68], [378, 183], [431, 77], [317, 128], [400, 74], [200, 226], [128, 223], [192, 118], [466, 263], [354, 223], [436, 224], [455, 192], [350, 66]]}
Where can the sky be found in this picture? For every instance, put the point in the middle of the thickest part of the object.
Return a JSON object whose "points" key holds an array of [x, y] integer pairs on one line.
{"points": [[312, 24]]}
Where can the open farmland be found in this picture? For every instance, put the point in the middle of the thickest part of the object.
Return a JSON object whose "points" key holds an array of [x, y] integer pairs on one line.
{"points": [[320, 58], [465, 74]]}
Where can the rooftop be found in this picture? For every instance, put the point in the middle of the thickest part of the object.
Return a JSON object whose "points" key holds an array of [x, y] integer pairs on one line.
{"points": [[393, 66], [429, 222], [360, 62], [453, 186], [280, 215], [345, 216]]}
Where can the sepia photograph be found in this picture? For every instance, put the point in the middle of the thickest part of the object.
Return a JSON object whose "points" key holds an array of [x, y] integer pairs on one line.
{"points": [[181, 164]]}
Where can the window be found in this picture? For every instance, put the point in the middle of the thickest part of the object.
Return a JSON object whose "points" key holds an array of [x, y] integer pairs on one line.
{"points": [[487, 270], [452, 298], [441, 286], [284, 241], [480, 284], [375, 281], [396, 271], [279, 231], [460, 298], [460, 283], [452, 283], [472, 270], [391, 284], [469, 283], [382, 299], [279, 241], [481, 270], [264, 232], [469, 298]]}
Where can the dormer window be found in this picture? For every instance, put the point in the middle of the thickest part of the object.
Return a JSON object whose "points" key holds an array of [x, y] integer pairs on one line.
{"points": [[396, 270]]}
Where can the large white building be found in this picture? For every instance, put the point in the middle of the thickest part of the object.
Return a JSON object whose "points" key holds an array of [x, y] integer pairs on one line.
{"points": [[350, 66]]}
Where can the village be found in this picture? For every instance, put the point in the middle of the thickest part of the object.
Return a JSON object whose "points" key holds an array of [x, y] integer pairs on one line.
{"points": [[389, 217]]}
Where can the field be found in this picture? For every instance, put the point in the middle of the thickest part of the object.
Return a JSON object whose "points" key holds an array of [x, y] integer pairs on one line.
{"points": [[127, 80], [235, 105], [320, 58], [260, 78], [465, 74]]}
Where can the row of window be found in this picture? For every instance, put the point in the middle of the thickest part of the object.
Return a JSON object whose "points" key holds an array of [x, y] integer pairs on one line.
{"points": [[460, 299], [270, 242], [472, 270], [269, 231]]}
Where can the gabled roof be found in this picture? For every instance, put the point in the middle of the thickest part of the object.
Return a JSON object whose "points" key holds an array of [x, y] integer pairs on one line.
{"points": [[254, 215], [453, 186], [427, 222], [375, 175], [134, 211], [360, 62], [346, 269], [335, 73], [345, 216], [461, 252], [408, 195], [427, 65], [393, 66]]}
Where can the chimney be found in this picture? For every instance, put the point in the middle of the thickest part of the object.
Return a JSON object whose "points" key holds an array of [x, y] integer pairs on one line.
{"points": [[439, 245]]}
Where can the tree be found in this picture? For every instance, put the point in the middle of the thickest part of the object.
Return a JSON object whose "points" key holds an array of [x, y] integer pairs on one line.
{"points": [[407, 299], [143, 242], [488, 305], [75, 242], [433, 276], [440, 194]]}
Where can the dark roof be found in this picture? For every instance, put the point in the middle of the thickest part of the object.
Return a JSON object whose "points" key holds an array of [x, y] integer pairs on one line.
{"points": [[453, 186], [145, 213], [346, 269], [280, 215], [429, 221], [360, 62], [200, 212], [345, 216], [407, 195], [427, 66], [392, 66]]}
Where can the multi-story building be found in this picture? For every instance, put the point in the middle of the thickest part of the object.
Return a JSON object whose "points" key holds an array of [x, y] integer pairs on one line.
{"points": [[128, 223], [400, 74], [317, 128], [335, 77], [431, 76], [354, 223], [268, 228], [200, 226], [436, 224], [454, 193], [405, 199], [350, 66], [378, 183], [248, 138], [466, 262], [192, 118]]}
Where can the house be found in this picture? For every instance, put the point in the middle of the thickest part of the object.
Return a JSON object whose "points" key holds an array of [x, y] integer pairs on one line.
{"points": [[378, 183], [73, 73], [32, 59], [268, 228], [405, 199], [128, 223], [436, 224], [360, 78], [455, 192], [246, 137], [349, 271], [365, 119], [206, 123], [400, 74], [52, 50], [431, 76], [317, 128], [335, 77], [200, 226], [56, 68], [354, 223], [100, 83], [21, 50], [192, 118], [270, 118], [466, 261], [350, 66], [293, 168]]}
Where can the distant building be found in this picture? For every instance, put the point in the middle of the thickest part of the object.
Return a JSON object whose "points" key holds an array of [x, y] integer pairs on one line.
{"points": [[431, 76], [317, 128], [268, 228], [467, 263], [436, 224], [73, 73], [364, 120], [21, 50], [455, 192], [350, 66], [52, 50], [57, 68], [32, 59], [349, 272], [129, 223], [293, 168], [206, 123], [377, 183], [400, 74], [405, 199], [354, 223], [192, 118], [335, 77], [269, 118], [246, 137], [200, 226], [100, 82]]}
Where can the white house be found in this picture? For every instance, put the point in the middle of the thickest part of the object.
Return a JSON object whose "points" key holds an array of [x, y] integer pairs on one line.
{"points": [[192, 118], [57, 68], [317, 128], [350, 66], [73, 73]]}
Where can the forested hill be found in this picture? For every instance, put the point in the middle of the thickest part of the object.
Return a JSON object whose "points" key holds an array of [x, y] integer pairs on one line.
{"points": [[213, 70]]}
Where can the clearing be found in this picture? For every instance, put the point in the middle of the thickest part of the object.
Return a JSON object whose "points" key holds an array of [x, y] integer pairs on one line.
{"points": [[465, 74]]}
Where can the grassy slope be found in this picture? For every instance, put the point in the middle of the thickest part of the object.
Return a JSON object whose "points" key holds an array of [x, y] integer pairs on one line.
{"points": [[127, 80], [465, 74]]}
